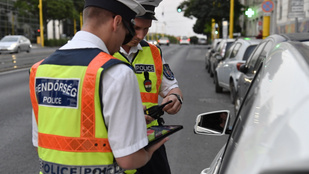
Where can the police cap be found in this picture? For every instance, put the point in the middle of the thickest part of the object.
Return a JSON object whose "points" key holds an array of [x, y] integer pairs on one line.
{"points": [[128, 9], [149, 6]]}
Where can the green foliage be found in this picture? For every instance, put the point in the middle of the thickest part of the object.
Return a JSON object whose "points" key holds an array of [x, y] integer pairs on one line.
{"points": [[55, 42], [205, 10], [194, 40], [52, 9]]}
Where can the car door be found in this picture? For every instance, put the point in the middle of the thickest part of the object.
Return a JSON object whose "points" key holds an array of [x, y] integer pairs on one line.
{"points": [[246, 77], [23, 43]]}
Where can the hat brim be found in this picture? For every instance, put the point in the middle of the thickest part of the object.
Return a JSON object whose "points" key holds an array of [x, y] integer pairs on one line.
{"points": [[147, 16]]}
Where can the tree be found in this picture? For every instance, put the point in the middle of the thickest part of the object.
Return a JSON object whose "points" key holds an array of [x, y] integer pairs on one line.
{"points": [[52, 10], [206, 10]]}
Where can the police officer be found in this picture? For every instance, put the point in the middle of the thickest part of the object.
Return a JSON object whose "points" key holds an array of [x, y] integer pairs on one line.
{"points": [[154, 77], [87, 111]]}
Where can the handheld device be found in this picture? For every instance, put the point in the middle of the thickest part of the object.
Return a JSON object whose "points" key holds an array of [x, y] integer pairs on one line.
{"points": [[157, 133], [156, 111]]}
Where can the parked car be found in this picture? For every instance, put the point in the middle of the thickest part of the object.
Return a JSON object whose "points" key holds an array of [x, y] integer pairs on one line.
{"points": [[224, 45], [14, 44], [270, 133], [249, 69], [202, 41], [184, 40], [210, 51], [227, 72], [164, 41]]}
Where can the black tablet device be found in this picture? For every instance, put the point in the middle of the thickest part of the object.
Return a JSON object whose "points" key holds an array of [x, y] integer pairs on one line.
{"points": [[157, 133]]}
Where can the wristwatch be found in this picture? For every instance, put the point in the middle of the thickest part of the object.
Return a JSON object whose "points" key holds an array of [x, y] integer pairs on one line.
{"points": [[178, 97]]}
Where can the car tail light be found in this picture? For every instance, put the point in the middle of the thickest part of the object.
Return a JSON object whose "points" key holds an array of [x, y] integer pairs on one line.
{"points": [[188, 40], [238, 65]]}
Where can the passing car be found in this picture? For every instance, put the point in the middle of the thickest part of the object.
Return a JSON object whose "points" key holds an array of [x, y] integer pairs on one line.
{"points": [[223, 47], [15, 44], [154, 42], [227, 72], [164, 41], [184, 40], [270, 132], [249, 69]]}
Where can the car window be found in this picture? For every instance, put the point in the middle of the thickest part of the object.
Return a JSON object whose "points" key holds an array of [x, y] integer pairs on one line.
{"points": [[229, 52], [184, 37], [262, 56], [254, 57], [226, 48], [248, 52], [9, 39], [235, 50]]}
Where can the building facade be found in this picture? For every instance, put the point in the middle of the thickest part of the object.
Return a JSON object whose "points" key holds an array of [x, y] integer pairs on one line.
{"points": [[11, 23], [286, 16]]}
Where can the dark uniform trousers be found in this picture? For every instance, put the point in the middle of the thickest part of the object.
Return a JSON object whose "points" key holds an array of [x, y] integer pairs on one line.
{"points": [[158, 163]]}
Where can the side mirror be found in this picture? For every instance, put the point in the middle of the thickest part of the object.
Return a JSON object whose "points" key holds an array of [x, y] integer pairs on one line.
{"points": [[213, 123], [218, 57], [243, 68]]}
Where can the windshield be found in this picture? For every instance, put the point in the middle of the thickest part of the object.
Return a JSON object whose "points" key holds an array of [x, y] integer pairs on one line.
{"points": [[9, 39]]}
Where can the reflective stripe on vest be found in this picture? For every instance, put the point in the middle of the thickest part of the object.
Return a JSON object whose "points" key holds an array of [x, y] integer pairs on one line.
{"points": [[153, 97]]}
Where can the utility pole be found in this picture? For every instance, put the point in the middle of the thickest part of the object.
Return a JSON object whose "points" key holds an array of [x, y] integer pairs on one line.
{"points": [[41, 23], [81, 20], [231, 18]]}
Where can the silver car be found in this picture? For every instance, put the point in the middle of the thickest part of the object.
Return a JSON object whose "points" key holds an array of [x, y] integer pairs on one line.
{"points": [[261, 51], [164, 41], [14, 44], [270, 132], [227, 72]]}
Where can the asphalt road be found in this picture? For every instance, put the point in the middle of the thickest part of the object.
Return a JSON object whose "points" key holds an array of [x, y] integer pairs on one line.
{"points": [[188, 153]]}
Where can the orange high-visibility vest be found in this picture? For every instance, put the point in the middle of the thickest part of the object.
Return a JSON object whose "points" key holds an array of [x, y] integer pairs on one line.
{"points": [[149, 59], [66, 100]]}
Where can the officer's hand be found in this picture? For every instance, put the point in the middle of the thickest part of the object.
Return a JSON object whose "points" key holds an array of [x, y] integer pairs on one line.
{"points": [[173, 107], [147, 117]]}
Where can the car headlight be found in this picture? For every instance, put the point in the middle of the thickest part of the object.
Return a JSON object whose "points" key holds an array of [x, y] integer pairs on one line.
{"points": [[12, 46]]}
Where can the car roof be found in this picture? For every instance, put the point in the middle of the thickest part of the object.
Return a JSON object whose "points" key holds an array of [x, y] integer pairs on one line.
{"points": [[289, 37]]}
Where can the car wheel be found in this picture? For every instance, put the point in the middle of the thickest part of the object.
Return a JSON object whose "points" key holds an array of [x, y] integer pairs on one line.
{"points": [[232, 92], [218, 88], [29, 49], [208, 69], [18, 50], [236, 104]]}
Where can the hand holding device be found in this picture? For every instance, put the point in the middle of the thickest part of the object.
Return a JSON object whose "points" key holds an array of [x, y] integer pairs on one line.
{"points": [[156, 111]]}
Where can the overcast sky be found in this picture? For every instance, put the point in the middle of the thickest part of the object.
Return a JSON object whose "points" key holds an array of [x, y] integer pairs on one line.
{"points": [[170, 21]]}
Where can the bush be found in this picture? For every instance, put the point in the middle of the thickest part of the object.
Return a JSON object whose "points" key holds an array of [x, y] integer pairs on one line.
{"points": [[55, 42]]}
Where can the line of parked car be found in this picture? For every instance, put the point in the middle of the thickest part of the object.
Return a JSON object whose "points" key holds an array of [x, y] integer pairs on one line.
{"points": [[268, 80]]}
